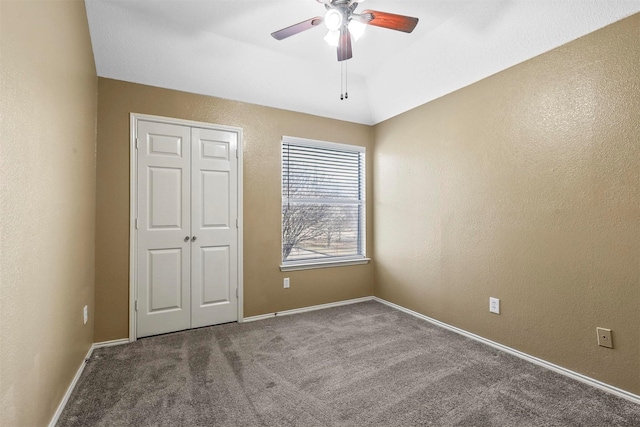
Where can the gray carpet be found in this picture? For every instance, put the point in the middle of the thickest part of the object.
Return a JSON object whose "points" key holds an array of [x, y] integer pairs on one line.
{"points": [[356, 365]]}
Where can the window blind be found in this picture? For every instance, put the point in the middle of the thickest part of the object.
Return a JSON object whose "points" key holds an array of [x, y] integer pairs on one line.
{"points": [[323, 201]]}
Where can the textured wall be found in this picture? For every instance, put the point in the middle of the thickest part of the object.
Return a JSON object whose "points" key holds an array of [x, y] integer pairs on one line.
{"points": [[47, 164], [525, 187], [263, 129]]}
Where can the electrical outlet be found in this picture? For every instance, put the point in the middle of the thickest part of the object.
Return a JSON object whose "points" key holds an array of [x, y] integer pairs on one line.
{"points": [[604, 337], [286, 282], [494, 305], [85, 312]]}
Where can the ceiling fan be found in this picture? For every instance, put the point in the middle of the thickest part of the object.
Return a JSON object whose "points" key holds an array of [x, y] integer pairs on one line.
{"points": [[343, 22]]}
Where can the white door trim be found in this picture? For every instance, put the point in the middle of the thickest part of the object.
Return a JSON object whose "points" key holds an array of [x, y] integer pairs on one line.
{"points": [[133, 166]]}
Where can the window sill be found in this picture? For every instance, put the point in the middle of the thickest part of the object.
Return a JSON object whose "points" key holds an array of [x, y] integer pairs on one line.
{"points": [[324, 264]]}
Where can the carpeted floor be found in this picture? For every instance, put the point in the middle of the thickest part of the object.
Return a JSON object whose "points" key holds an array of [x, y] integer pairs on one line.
{"points": [[357, 365]]}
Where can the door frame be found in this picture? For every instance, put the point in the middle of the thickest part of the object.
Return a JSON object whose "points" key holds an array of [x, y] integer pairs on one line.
{"points": [[133, 169]]}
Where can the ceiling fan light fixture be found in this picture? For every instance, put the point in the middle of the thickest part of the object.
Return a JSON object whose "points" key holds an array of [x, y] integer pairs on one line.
{"points": [[332, 38], [356, 28], [333, 20]]}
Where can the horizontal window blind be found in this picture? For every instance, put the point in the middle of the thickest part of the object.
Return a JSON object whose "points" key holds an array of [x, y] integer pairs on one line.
{"points": [[323, 201]]}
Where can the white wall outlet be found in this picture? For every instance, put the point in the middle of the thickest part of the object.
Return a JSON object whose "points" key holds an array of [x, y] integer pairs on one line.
{"points": [[85, 312], [494, 305], [286, 282]]}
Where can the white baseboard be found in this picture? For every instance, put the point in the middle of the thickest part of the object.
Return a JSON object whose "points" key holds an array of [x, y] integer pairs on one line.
{"points": [[306, 309], [111, 343], [540, 362], [72, 386], [66, 396]]}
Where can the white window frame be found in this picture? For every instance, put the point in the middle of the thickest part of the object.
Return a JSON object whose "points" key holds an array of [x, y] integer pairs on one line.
{"points": [[332, 261]]}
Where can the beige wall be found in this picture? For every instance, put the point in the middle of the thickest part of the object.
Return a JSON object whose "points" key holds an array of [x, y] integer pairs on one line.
{"points": [[526, 187], [48, 108], [263, 129]]}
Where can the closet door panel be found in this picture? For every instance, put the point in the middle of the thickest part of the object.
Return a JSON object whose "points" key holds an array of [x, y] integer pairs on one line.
{"points": [[214, 213], [163, 254], [215, 200], [215, 287]]}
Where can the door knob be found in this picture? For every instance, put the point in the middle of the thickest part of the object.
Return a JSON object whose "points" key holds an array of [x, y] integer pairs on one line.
{"points": [[193, 239], [186, 239]]}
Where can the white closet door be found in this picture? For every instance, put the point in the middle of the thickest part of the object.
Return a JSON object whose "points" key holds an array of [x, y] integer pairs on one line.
{"points": [[214, 260], [164, 223]]}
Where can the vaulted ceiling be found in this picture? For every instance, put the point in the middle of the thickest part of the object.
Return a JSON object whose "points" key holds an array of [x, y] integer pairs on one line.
{"points": [[223, 48]]}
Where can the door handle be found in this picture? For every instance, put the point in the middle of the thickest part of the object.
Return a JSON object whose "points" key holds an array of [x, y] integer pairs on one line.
{"points": [[186, 239], [193, 239]]}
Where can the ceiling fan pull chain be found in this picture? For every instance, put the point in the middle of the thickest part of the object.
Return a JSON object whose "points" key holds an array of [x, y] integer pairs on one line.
{"points": [[341, 81], [346, 80]]}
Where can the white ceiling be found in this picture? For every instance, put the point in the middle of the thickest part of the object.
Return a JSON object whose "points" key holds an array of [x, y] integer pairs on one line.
{"points": [[223, 48]]}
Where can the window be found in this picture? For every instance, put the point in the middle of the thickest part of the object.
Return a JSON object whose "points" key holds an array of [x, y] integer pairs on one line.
{"points": [[323, 204]]}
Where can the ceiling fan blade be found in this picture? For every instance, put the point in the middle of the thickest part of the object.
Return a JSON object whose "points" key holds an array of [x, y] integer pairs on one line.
{"points": [[296, 28], [344, 44], [391, 21]]}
